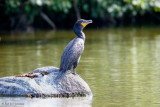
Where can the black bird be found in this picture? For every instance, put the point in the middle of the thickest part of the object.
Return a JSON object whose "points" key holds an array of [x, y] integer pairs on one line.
{"points": [[72, 52]]}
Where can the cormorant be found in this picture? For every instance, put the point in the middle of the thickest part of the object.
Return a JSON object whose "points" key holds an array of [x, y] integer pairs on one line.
{"points": [[72, 52]]}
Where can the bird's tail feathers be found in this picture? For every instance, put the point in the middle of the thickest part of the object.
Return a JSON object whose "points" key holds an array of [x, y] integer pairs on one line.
{"points": [[60, 76]]}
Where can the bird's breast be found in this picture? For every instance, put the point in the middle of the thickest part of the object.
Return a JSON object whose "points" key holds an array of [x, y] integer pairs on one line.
{"points": [[78, 46]]}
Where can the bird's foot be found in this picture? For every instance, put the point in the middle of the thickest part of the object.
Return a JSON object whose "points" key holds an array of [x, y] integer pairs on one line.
{"points": [[74, 73]]}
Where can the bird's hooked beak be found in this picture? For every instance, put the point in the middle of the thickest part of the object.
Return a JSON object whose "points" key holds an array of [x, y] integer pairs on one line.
{"points": [[86, 22]]}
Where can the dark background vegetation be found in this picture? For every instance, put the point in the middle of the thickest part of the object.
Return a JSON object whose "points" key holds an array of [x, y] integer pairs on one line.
{"points": [[62, 14]]}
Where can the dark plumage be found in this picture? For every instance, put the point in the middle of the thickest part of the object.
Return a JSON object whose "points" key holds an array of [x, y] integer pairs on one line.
{"points": [[72, 53]]}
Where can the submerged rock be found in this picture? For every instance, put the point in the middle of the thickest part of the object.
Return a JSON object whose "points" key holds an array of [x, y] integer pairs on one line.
{"points": [[41, 83]]}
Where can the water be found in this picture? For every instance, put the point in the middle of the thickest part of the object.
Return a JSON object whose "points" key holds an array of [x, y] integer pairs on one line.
{"points": [[121, 65]]}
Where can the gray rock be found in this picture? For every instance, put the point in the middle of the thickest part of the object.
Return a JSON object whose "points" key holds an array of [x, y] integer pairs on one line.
{"points": [[40, 83]]}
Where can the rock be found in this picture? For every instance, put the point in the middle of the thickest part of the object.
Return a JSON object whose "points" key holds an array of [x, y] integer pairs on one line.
{"points": [[41, 83]]}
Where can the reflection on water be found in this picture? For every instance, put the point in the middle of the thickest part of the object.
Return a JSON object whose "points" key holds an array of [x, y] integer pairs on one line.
{"points": [[45, 102], [122, 66]]}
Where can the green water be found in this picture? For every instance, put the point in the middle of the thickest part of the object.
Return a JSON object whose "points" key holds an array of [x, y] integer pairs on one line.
{"points": [[121, 66]]}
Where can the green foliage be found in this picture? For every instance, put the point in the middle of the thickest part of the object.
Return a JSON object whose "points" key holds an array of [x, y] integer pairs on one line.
{"points": [[31, 7], [97, 7], [116, 8], [91, 8]]}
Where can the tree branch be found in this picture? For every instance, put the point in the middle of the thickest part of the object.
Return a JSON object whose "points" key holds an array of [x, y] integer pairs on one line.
{"points": [[76, 10], [48, 20]]}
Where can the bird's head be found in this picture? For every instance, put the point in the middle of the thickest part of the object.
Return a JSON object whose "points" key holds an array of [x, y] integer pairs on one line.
{"points": [[81, 23]]}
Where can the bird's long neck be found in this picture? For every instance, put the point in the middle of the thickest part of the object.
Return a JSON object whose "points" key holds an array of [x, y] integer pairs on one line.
{"points": [[79, 33]]}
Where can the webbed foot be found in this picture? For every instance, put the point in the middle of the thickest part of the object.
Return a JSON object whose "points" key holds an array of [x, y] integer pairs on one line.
{"points": [[74, 73]]}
